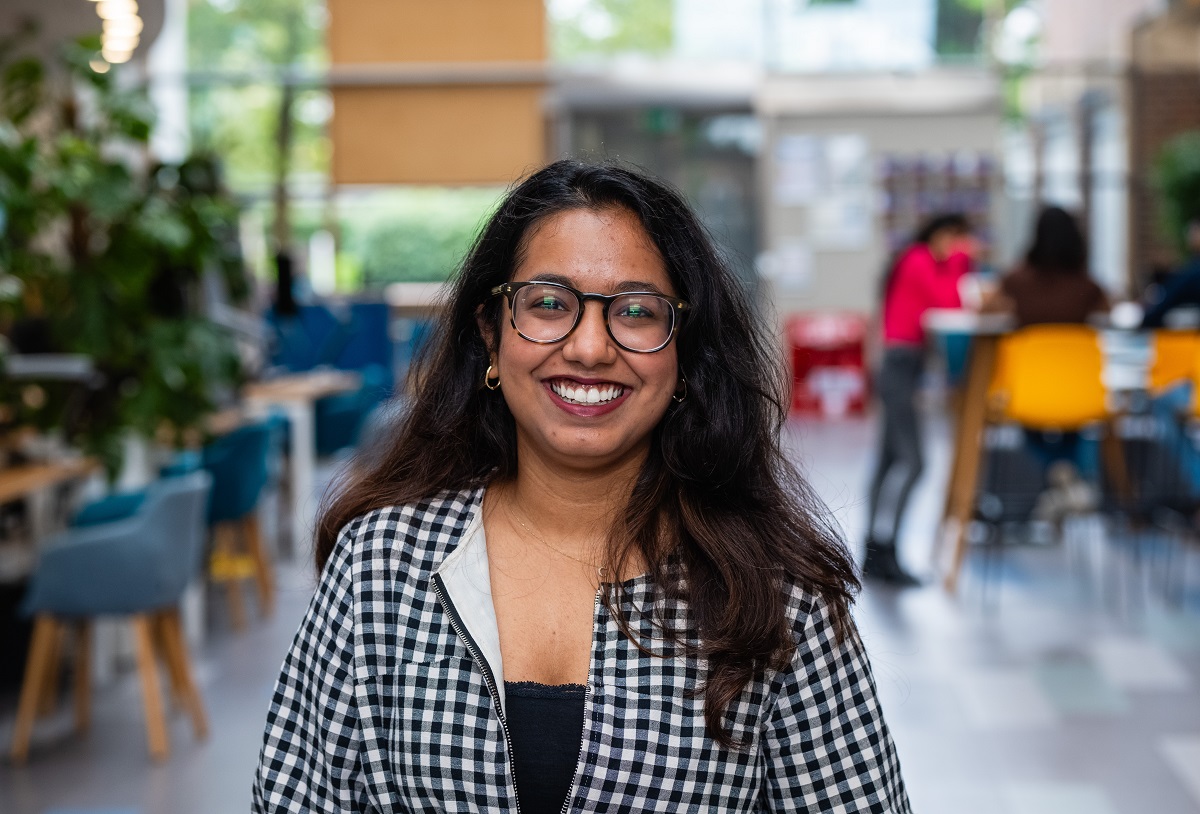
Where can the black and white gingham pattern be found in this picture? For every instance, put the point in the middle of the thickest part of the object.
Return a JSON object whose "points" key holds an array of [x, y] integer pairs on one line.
{"points": [[381, 708]]}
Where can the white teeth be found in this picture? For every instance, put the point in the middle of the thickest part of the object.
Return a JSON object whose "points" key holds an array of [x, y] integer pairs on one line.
{"points": [[586, 395]]}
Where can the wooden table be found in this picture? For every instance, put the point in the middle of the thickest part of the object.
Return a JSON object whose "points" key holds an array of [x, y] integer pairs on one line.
{"points": [[25, 481], [1122, 376], [296, 394], [20, 481], [416, 300], [967, 453]]}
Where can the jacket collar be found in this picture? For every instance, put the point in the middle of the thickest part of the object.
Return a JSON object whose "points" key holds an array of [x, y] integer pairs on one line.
{"points": [[466, 576]]}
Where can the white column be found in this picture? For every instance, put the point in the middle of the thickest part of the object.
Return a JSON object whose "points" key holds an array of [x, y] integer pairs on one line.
{"points": [[166, 65]]}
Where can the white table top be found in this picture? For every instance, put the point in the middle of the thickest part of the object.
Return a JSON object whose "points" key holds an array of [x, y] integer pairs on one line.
{"points": [[962, 320]]}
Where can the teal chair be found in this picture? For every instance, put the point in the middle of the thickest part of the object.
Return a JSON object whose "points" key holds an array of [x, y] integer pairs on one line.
{"points": [[339, 419], [137, 566], [240, 465]]}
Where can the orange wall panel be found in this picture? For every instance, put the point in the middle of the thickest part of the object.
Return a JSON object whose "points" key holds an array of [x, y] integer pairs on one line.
{"points": [[389, 31], [441, 134]]}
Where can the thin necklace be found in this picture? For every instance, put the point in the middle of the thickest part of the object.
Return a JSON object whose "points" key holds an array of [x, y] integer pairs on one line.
{"points": [[556, 549]]}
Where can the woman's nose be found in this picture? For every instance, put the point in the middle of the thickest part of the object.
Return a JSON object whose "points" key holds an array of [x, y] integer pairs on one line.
{"points": [[589, 344]]}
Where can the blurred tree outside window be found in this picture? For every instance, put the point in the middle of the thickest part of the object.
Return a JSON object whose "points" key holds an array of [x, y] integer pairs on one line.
{"points": [[410, 234], [959, 28], [588, 30], [251, 64]]}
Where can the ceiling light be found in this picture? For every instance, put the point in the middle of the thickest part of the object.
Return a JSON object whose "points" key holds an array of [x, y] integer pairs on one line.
{"points": [[116, 9], [120, 43], [116, 57], [123, 27]]}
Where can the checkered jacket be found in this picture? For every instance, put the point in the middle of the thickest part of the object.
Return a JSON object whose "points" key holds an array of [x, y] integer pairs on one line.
{"points": [[391, 698]]}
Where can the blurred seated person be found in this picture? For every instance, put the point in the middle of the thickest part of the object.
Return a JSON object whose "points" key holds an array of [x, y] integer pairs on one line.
{"points": [[1052, 284], [1164, 299], [1181, 288]]}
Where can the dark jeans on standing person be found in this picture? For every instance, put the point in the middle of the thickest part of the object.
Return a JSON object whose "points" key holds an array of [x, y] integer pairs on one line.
{"points": [[900, 458]]}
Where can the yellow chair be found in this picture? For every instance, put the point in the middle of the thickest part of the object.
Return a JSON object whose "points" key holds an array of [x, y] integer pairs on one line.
{"points": [[1175, 358], [1049, 377]]}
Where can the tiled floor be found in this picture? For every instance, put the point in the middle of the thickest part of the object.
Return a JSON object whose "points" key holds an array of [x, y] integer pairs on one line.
{"points": [[1049, 692]]}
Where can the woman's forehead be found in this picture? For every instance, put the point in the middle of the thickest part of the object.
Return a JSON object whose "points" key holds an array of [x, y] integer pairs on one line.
{"points": [[604, 251]]}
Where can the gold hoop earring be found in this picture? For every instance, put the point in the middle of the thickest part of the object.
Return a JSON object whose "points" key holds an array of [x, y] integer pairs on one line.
{"points": [[681, 392], [488, 381]]}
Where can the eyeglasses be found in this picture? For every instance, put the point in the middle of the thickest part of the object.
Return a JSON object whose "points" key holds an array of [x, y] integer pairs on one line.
{"points": [[638, 321]]}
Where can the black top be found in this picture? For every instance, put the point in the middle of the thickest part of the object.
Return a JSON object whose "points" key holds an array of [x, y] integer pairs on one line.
{"points": [[1181, 289], [546, 727]]}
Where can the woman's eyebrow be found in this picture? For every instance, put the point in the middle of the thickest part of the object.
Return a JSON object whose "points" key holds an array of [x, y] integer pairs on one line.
{"points": [[638, 285], [625, 285], [554, 278]]}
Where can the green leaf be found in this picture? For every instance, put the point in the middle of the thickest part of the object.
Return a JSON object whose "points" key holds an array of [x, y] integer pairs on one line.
{"points": [[131, 115], [165, 225], [1177, 179], [21, 89]]}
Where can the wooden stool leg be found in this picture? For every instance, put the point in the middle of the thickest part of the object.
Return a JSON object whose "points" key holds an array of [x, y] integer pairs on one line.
{"points": [[53, 675], [156, 725], [262, 565], [968, 455], [83, 675], [163, 651], [181, 669], [45, 631]]}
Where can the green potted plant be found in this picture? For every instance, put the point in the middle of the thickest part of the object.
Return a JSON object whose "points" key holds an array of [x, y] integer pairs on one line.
{"points": [[102, 253]]}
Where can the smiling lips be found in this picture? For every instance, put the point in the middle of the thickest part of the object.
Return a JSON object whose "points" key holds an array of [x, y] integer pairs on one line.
{"points": [[586, 394]]}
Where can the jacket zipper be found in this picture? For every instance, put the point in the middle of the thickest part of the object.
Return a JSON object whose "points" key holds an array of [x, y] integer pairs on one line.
{"points": [[488, 678], [587, 709]]}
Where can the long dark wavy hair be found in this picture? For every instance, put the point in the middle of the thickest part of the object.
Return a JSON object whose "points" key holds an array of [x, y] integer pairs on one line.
{"points": [[1058, 244], [719, 513]]}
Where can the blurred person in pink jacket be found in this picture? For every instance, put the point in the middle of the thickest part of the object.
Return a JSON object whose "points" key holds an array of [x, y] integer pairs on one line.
{"points": [[924, 275]]}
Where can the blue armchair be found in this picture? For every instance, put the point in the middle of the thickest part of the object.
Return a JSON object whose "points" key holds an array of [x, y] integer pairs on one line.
{"points": [[138, 566], [119, 505], [241, 466], [340, 419]]}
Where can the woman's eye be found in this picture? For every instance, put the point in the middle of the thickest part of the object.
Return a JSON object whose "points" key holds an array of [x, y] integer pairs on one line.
{"points": [[549, 303], [636, 310]]}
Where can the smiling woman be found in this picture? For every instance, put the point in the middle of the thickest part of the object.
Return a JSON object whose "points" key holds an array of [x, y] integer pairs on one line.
{"points": [[583, 575]]}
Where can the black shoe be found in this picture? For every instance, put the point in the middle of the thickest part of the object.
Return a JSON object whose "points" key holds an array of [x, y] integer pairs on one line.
{"points": [[881, 564]]}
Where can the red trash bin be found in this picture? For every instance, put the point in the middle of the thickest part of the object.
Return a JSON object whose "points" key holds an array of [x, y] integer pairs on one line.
{"points": [[829, 376]]}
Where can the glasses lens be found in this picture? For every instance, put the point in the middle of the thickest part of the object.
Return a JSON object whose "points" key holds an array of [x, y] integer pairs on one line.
{"points": [[545, 312], [641, 321]]}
